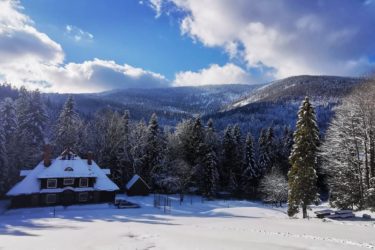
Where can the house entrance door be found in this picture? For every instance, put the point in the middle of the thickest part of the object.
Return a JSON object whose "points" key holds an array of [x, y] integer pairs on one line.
{"points": [[68, 197]]}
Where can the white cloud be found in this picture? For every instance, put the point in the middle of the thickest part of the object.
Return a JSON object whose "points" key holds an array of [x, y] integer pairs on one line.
{"points": [[29, 57], [157, 6], [214, 74], [293, 37], [78, 34], [100, 75]]}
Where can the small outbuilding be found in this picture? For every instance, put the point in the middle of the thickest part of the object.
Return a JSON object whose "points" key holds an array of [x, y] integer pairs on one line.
{"points": [[137, 186]]}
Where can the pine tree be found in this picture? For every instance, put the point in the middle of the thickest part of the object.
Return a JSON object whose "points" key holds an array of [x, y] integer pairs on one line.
{"points": [[263, 159], [4, 167], [237, 169], [271, 149], [251, 172], [68, 126], [154, 152], [228, 155], [285, 150], [210, 173], [302, 175], [138, 142], [9, 124], [124, 153], [31, 117]]}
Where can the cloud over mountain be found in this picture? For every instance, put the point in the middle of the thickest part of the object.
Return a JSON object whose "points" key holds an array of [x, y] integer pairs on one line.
{"points": [[214, 74], [291, 37]]}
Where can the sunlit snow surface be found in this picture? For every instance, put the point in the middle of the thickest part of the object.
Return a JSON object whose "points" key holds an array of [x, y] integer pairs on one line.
{"points": [[192, 225]]}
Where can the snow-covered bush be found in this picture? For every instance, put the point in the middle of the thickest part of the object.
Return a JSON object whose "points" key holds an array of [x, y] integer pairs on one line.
{"points": [[274, 188]]}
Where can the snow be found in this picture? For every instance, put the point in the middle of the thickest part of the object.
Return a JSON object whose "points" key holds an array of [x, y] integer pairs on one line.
{"points": [[79, 166], [196, 224], [31, 183], [133, 180], [24, 173]]}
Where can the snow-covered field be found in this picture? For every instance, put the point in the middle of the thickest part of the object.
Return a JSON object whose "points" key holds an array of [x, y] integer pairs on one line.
{"points": [[207, 225]]}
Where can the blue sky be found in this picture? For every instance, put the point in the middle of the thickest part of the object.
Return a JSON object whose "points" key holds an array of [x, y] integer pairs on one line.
{"points": [[96, 45], [124, 31]]}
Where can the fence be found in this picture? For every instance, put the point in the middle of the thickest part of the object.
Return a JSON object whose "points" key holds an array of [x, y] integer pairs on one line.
{"points": [[163, 202]]}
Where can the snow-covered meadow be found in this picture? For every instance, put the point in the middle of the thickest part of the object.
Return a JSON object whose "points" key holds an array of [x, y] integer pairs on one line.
{"points": [[207, 225]]}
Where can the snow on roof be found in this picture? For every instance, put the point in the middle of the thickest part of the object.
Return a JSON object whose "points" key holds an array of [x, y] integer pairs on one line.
{"points": [[106, 170], [24, 173], [75, 167], [79, 168], [133, 180], [102, 180], [30, 184]]}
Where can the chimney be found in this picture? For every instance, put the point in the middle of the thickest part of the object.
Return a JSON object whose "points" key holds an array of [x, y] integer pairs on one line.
{"points": [[47, 155], [89, 158]]}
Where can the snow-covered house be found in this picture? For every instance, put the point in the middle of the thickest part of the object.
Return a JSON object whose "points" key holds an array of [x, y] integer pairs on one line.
{"points": [[137, 186], [66, 180]]}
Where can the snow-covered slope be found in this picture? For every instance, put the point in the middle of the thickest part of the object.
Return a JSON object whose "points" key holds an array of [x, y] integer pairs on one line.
{"points": [[318, 88], [197, 225]]}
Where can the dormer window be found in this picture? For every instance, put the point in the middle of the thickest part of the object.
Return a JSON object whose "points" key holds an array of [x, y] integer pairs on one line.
{"points": [[84, 182], [68, 169], [51, 183]]}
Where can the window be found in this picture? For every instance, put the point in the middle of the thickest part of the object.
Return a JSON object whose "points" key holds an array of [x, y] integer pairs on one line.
{"points": [[52, 183], [68, 169], [68, 182], [83, 182], [51, 198], [82, 197]]}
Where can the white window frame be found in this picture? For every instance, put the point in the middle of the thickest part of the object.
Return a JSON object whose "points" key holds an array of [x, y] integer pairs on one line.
{"points": [[84, 198], [48, 196], [71, 181], [80, 182], [49, 186]]}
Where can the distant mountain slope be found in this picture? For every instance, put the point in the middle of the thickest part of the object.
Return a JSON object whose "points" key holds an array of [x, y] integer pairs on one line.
{"points": [[277, 103], [193, 100], [253, 107], [170, 104], [323, 88]]}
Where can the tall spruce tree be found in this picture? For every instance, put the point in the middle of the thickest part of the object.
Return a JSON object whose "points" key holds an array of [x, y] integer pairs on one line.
{"points": [[285, 150], [31, 117], [237, 168], [271, 149], [228, 156], [125, 150], [210, 176], [263, 159], [9, 124], [302, 175], [154, 152], [251, 172], [68, 126], [4, 167]]}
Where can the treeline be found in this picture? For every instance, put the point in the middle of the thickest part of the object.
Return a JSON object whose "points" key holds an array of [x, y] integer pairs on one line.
{"points": [[190, 157]]}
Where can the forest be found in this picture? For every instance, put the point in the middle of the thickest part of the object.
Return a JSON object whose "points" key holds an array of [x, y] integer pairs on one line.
{"points": [[195, 156]]}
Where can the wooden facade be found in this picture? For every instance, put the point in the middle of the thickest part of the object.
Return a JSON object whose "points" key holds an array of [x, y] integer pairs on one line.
{"points": [[65, 198]]}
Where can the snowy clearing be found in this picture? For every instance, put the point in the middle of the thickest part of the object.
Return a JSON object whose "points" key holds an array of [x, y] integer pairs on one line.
{"points": [[207, 225]]}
